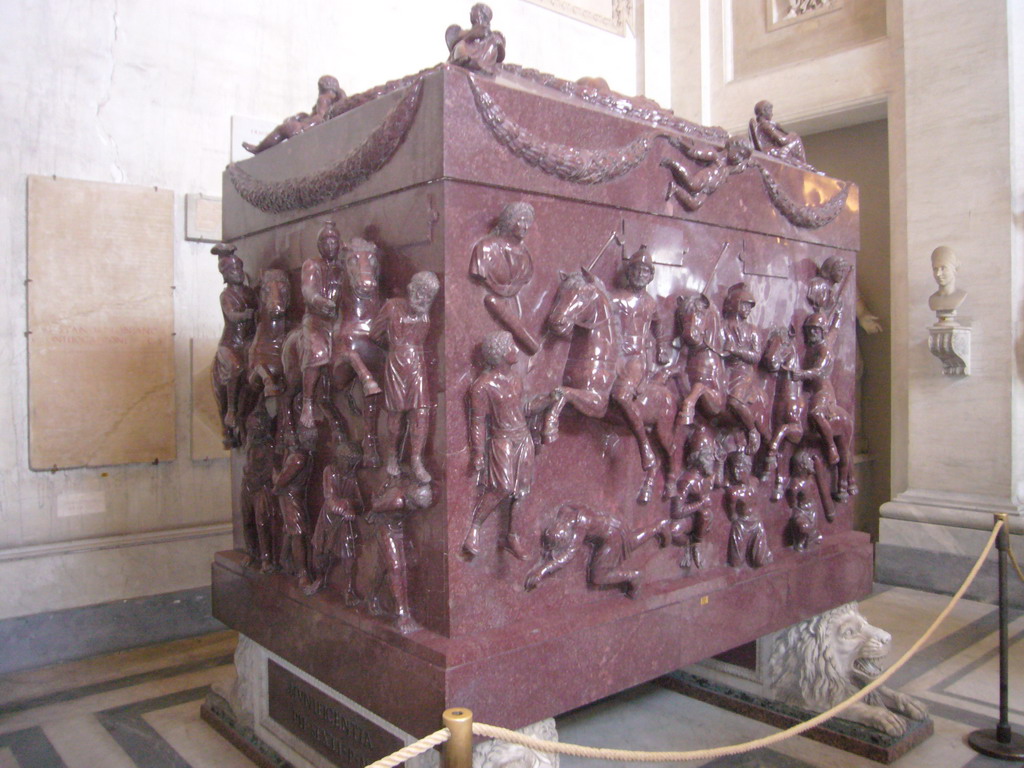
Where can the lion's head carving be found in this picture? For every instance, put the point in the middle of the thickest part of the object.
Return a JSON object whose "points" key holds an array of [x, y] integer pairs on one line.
{"points": [[822, 661]]}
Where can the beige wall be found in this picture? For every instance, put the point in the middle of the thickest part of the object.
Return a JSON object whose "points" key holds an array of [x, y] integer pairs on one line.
{"points": [[759, 45], [957, 441], [845, 84], [860, 153]]}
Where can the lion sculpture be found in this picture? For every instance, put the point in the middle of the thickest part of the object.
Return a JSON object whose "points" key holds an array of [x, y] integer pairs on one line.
{"points": [[502, 754], [822, 661]]}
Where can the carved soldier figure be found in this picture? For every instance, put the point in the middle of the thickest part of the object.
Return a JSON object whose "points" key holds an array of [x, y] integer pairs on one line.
{"points": [[692, 190], [290, 483], [769, 137], [334, 539], [640, 341], [748, 541], [402, 326], [819, 335], [238, 305], [257, 504], [692, 503], [801, 495], [742, 349], [330, 93], [504, 463], [391, 504], [700, 334], [503, 264], [477, 48], [790, 407], [321, 289], [576, 526]]}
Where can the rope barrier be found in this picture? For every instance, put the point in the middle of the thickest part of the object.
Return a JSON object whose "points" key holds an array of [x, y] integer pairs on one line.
{"points": [[1016, 567], [539, 745], [409, 752]]}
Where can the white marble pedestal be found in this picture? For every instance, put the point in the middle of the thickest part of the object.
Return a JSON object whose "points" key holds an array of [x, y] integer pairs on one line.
{"points": [[278, 715]]}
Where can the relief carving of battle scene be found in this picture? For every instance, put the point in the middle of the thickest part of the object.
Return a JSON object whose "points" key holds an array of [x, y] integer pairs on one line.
{"points": [[538, 399]]}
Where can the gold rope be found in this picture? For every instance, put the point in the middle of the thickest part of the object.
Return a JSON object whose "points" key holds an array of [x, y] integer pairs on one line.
{"points": [[504, 734], [1016, 567], [513, 737], [407, 753]]}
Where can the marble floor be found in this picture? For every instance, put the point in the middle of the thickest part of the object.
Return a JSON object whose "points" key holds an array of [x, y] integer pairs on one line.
{"points": [[140, 708]]}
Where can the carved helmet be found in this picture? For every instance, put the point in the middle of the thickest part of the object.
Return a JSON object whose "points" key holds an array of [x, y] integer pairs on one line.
{"points": [[736, 295], [328, 229], [816, 320], [641, 256], [226, 257]]}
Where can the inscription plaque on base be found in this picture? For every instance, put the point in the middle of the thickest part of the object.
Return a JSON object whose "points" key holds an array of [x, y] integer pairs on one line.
{"points": [[327, 725]]}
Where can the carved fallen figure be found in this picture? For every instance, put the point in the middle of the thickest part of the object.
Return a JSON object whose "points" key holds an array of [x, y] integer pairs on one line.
{"points": [[478, 48], [591, 375], [748, 541], [402, 326], [829, 420], [391, 503], [502, 450], [238, 305], [822, 661], [289, 486], [691, 189], [611, 543], [771, 138], [803, 494], [329, 94], [334, 538], [790, 408], [258, 508], [691, 503], [502, 263]]}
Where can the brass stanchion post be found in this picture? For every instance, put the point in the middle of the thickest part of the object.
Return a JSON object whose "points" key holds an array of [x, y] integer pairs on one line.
{"points": [[458, 750], [1001, 742]]}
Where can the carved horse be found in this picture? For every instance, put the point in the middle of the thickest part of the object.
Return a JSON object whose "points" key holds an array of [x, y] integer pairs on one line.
{"points": [[790, 408], [351, 350], [353, 354], [582, 302], [265, 367]]}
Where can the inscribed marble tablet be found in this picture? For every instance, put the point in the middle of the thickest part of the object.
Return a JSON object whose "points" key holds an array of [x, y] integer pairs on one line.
{"points": [[101, 323]]}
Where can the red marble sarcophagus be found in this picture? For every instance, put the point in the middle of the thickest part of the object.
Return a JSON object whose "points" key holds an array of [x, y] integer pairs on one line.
{"points": [[612, 437]]}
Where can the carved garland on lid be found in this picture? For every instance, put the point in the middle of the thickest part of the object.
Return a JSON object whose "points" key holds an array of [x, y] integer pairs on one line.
{"points": [[807, 216], [579, 166], [621, 105], [347, 174]]}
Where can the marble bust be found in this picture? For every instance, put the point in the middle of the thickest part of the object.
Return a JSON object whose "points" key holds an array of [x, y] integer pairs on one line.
{"points": [[945, 301]]}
